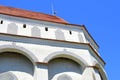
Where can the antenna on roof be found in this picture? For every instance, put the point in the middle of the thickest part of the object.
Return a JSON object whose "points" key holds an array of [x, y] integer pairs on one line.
{"points": [[53, 10]]}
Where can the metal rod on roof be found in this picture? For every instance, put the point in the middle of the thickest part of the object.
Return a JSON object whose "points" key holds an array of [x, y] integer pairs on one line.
{"points": [[52, 7]]}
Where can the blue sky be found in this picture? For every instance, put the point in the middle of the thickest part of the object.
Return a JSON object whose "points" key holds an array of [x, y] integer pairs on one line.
{"points": [[101, 17]]}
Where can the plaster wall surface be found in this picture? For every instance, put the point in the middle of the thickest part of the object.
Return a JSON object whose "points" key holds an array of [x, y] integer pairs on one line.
{"points": [[70, 33], [42, 53], [44, 49]]}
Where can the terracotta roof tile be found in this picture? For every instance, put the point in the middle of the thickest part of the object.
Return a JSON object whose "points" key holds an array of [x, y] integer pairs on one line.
{"points": [[29, 14]]}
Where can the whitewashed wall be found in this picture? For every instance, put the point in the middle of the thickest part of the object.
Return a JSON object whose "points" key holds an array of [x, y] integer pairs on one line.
{"points": [[13, 25], [42, 51]]}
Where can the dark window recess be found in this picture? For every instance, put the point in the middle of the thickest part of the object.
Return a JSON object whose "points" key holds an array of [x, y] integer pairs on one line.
{"points": [[70, 32], [46, 29], [1, 22], [24, 25]]}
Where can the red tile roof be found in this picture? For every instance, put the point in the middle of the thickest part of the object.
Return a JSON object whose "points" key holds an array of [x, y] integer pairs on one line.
{"points": [[30, 15]]}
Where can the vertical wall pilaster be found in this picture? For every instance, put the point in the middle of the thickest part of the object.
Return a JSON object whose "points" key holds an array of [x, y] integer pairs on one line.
{"points": [[41, 71], [88, 74]]}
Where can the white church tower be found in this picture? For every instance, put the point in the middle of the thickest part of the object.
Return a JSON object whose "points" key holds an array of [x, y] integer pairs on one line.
{"points": [[37, 46]]}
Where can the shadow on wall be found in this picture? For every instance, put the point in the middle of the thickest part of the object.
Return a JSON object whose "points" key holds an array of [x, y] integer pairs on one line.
{"points": [[17, 64], [63, 65]]}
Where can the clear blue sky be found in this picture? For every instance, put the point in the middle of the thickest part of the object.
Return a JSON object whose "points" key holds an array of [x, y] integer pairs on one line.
{"points": [[101, 17]]}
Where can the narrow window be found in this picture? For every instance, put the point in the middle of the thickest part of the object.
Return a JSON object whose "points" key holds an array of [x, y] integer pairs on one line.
{"points": [[24, 25], [70, 32], [46, 29], [1, 22]]}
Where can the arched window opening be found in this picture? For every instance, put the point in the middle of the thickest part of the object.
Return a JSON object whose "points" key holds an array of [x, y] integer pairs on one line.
{"points": [[59, 35], [35, 32], [16, 63], [12, 28], [63, 66]]}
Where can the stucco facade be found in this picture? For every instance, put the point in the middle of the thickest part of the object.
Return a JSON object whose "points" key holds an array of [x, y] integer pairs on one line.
{"points": [[42, 50]]}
